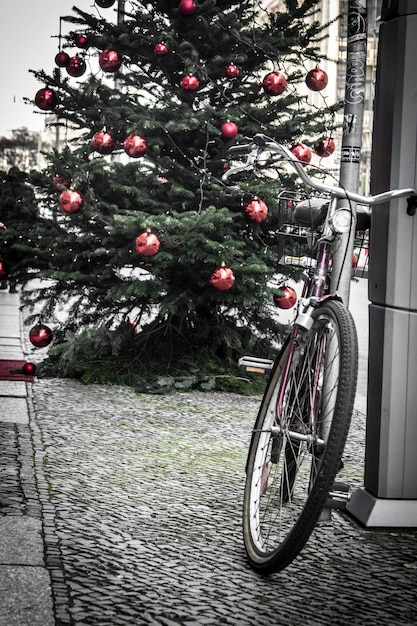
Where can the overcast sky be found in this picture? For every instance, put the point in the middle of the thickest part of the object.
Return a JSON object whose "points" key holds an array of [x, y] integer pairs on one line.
{"points": [[27, 42]]}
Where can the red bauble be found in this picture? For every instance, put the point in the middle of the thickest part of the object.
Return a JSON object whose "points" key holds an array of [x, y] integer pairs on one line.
{"points": [[232, 70], [302, 152], [76, 66], [40, 336], [190, 83], [160, 49], [286, 298], [229, 130], [316, 79], [4, 269], [135, 146], [46, 99], [103, 142], [81, 41], [274, 83], [71, 201], [110, 60], [325, 147], [62, 59], [147, 244], [256, 210], [29, 369], [105, 4], [187, 7], [59, 183], [222, 278]]}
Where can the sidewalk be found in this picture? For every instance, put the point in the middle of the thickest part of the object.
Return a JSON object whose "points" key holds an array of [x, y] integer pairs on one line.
{"points": [[25, 585], [123, 508]]}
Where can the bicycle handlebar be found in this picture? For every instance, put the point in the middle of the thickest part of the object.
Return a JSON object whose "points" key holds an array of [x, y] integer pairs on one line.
{"points": [[263, 143]]}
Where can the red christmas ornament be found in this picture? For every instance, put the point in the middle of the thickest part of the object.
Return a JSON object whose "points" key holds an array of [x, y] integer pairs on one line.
{"points": [[29, 369], [62, 59], [4, 269], [256, 210], [59, 183], [76, 66], [302, 152], [110, 60], [325, 147], [147, 244], [103, 142], [46, 99], [222, 278], [81, 41], [232, 70], [135, 146], [274, 83], [316, 79], [190, 83], [160, 49], [229, 130], [187, 7], [105, 4], [40, 336], [286, 298], [71, 201]]}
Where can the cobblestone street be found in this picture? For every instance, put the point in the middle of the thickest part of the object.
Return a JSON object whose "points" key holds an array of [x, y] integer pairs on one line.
{"points": [[141, 505]]}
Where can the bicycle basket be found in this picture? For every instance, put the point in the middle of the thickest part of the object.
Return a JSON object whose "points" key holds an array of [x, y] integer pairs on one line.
{"points": [[296, 238]]}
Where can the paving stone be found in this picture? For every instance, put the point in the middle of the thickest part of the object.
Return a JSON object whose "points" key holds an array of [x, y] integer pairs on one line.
{"points": [[21, 541], [25, 597], [13, 410], [12, 388]]}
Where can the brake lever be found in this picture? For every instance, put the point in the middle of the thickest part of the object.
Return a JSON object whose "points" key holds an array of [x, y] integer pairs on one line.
{"points": [[250, 161]]}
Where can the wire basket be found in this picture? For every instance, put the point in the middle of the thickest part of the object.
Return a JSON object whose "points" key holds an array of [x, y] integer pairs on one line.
{"points": [[295, 243]]}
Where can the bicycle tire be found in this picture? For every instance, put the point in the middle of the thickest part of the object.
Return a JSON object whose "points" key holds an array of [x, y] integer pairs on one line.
{"points": [[312, 386]]}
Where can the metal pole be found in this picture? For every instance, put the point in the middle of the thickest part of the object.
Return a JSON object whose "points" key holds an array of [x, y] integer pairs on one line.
{"points": [[352, 137]]}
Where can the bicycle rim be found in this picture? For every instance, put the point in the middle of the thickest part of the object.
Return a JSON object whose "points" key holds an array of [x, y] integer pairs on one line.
{"points": [[298, 439]]}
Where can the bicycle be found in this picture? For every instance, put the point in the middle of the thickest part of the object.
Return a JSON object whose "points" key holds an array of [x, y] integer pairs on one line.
{"points": [[303, 421]]}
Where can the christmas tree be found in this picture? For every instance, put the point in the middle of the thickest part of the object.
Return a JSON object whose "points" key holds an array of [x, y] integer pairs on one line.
{"points": [[149, 264]]}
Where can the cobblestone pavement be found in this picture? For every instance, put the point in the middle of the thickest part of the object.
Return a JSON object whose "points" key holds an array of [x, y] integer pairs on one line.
{"points": [[140, 497]]}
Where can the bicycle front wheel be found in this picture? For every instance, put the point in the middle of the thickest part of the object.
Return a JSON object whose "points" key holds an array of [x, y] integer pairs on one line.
{"points": [[299, 437]]}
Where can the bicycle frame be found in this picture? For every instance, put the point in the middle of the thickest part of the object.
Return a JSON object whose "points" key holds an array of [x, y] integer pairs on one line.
{"points": [[316, 286], [313, 293]]}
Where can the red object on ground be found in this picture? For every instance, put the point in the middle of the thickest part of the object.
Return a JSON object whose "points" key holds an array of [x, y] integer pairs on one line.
{"points": [[14, 370]]}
